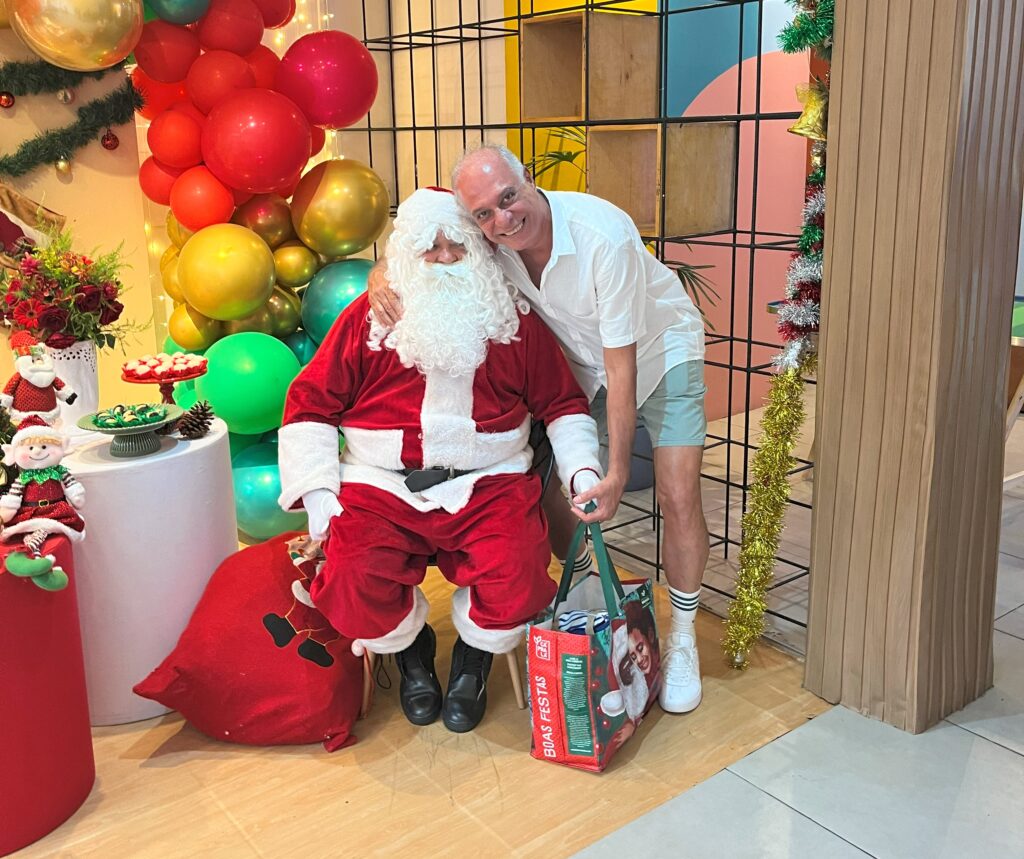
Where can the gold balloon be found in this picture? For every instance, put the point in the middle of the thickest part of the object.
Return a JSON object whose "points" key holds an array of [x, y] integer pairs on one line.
{"points": [[285, 311], [268, 216], [340, 207], [226, 272], [81, 35], [262, 321], [5, 18], [191, 330], [296, 264], [165, 260], [169, 276], [176, 232]]}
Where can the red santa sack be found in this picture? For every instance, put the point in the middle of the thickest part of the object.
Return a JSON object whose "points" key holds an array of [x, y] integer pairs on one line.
{"points": [[590, 688], [257, 665]]}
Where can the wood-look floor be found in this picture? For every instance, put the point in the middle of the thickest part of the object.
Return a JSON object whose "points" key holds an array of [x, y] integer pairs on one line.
{"points": [[164, 790]]}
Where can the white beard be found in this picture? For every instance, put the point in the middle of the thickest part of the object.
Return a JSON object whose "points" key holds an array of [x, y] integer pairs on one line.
{"points": [[449, 315], [40, 375]]}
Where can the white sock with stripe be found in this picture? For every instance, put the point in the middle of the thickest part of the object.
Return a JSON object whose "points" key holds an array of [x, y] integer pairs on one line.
{"points": [[583, 565], [684, 611]]}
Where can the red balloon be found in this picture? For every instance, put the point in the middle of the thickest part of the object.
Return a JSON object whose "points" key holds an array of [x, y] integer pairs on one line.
{"points": [[215, 76], [186, 107], [175, 139], [165, 52], [287, 190], [319, 138], [276, 13], [331, 76], [231, 25], [199, 199], [264, 63], [156, 180], [158, 96], [256, 140]]}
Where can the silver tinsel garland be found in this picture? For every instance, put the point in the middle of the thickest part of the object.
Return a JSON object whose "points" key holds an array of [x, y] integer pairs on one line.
{"points": [[802, 314]]}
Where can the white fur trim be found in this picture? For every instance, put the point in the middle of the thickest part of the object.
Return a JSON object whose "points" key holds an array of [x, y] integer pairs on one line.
{"points": [[575, 445], [6, 400], [402, 635], [11, 502], [382, 448], [301, 594], [447, 420], [307, 459], [491, 640], [17, 417], [40, 524]]}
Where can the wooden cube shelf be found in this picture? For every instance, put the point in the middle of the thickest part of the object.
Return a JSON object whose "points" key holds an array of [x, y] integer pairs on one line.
{"points": [[623, 73], [624, 163]]}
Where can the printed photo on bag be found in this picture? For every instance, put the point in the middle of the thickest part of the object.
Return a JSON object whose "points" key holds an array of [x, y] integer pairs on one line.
{"points": [[633, 674]]}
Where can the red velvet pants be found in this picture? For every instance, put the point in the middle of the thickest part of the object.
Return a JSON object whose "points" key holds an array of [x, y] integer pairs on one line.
{"points": [[378, 548]]}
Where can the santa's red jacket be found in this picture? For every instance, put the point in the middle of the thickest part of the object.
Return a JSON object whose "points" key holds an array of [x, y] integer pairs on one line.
{"points": [[394, 417], [28, 399]]}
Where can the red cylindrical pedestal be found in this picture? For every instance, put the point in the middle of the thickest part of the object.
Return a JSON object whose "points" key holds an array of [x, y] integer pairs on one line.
{"points": [[46, 762]]}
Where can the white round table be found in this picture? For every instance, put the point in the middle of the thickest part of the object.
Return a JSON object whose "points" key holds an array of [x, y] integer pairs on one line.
{"points": [[157, 527]]}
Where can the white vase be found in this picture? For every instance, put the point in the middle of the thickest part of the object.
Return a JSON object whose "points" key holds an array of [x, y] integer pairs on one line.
{"points": [[76, 367]]}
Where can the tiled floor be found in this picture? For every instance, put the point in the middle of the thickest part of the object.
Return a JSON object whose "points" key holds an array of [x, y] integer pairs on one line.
{"points": [[844, 785], [787, 628]]}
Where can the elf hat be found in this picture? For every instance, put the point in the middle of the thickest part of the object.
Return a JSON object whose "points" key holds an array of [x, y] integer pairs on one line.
{"points": [[31, 428], [22, 343]]}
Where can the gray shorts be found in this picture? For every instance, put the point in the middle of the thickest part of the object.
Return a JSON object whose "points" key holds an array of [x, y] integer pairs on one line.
{"points": [[673, 414]]}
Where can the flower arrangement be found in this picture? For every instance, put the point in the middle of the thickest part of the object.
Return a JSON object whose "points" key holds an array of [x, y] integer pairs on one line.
{"points": [[61, 297]]}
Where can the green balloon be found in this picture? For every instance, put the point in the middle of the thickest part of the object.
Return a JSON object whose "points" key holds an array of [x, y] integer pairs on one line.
{"points": [[333, 289], [185, 394], [247, 379], [237, 442], [172, 348], [257, 483], [269, 437], [302, 345]]}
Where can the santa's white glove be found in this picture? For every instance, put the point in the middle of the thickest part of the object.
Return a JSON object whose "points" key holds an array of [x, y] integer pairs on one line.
{"points": [[322, 506], [583, 480], [6, 400], [75, 493]]}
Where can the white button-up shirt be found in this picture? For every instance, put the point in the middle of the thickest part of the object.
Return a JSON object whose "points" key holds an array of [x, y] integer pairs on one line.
{"points": [[603, 289]]}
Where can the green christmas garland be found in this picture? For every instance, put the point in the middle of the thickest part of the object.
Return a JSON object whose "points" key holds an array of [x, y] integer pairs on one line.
{"points": [[93, 118], [22, 78], [812, 28]]}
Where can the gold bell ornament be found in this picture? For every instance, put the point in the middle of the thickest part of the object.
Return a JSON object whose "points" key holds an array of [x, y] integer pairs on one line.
{"points": [[813, 122]]}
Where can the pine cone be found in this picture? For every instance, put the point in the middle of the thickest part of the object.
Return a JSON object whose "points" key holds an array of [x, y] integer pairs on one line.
{"points": [[195, 423]]}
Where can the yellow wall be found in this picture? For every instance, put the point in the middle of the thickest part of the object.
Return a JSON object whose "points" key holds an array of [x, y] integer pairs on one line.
{"points": [[102, 202], [563, 177]]}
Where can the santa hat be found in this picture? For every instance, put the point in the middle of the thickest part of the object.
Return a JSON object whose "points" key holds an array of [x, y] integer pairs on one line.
{"points": [[427, 210], [31, 428], [22, 343]]}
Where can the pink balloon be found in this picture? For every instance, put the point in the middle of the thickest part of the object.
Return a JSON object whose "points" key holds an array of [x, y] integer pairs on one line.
{"points": [[331, 76], [256, 140]]}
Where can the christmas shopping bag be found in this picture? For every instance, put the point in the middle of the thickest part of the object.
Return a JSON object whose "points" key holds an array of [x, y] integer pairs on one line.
{"points": [[592, 682]]}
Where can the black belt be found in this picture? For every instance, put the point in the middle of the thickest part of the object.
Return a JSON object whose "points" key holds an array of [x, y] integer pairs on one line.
{"points": [[418, 479], [43, 503]]}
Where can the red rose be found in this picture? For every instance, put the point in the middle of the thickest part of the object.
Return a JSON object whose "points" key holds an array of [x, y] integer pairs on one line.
{"points": [[110, 291], [111, 312], [53, 319], [60, 341], [88, 299]]}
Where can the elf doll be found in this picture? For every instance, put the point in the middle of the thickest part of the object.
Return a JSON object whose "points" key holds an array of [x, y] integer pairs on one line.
{"points": [[43, 500], [34, 389]]}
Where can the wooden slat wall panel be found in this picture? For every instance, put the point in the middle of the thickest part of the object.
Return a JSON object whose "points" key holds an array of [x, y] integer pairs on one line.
{"points": [[924, 189]]}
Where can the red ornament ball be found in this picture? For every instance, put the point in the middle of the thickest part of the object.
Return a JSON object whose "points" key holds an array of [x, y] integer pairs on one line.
{"points": [[6, 100], [109, 141]]}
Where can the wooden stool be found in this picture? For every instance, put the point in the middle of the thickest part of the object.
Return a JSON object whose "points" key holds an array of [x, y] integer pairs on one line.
{"points": [[370, 664]]}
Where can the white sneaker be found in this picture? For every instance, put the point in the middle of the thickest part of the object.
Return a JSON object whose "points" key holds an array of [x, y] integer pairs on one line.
{"points": [[680, 674]]}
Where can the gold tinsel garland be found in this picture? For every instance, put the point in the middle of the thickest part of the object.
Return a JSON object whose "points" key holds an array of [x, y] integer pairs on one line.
{"points": [[762, 523]]}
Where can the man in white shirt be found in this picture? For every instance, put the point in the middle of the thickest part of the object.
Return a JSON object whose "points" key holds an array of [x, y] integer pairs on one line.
{"points": [[636, 345]]}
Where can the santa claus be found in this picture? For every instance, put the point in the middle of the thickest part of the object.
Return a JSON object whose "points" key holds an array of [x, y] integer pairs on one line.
{"points": [[436, 415], [34, 389]]}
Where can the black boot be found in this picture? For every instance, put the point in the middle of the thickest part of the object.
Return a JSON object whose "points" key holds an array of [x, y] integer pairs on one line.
{"points": [[466, 701], [316, 653], [279, 628], [419, 691]]}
